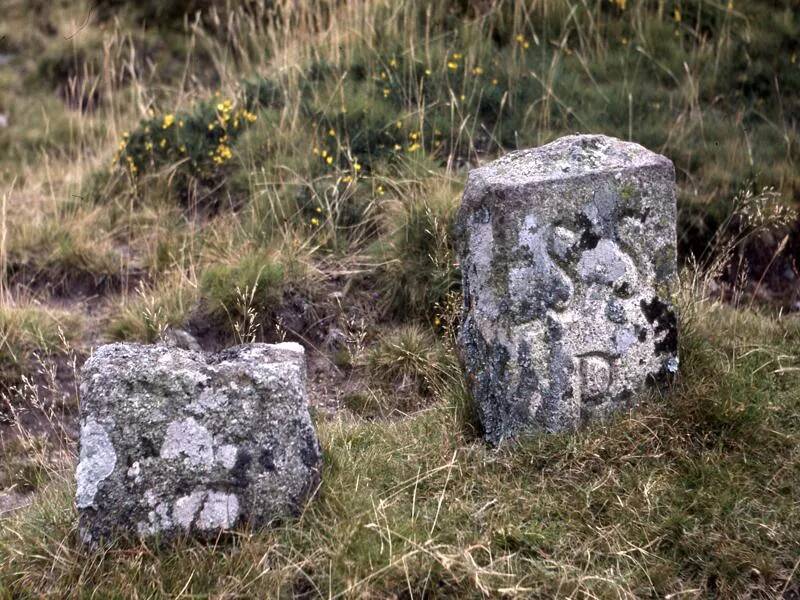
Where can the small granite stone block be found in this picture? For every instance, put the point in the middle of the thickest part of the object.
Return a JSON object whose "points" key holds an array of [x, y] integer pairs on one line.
{"points": [[568, 256], [175, 442]]}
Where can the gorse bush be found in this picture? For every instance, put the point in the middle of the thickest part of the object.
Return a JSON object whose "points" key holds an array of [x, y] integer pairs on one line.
{"points": [[196, 144]]}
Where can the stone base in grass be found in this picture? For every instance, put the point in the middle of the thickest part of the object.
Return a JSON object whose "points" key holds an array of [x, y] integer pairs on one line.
{"points": [[175, 442]]}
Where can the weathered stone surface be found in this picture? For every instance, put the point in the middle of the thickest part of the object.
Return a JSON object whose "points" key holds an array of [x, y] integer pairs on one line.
{"points": [[175, 442], [568, 254]]}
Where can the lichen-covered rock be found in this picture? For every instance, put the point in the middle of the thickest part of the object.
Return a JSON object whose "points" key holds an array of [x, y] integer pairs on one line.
{"points": [[175, 442], [568, 254]]}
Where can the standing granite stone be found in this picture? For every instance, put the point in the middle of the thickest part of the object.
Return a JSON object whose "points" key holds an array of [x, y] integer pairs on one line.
{"points": [[568, 254], [175, 442]]}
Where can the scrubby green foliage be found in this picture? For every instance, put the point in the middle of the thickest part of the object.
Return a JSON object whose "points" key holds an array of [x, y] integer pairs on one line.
{"points": [[255, 275], [417, 263], [29, 334], [197, 144]]}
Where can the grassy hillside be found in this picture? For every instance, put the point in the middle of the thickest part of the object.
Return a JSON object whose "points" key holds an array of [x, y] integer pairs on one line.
{"points": [[270, 170]]}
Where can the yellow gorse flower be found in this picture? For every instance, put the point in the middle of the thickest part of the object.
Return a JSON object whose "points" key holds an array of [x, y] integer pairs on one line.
{"points": [[168, 121]]}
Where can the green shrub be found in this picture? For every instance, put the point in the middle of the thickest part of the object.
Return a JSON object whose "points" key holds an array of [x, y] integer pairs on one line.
{"points": [[417, 265], [410, 358], [251, 282], [146, 316], [29, 334], [196, 144]]}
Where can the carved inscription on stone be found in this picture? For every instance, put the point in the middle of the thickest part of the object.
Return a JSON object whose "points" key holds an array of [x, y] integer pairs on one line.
{"points": [[568, 258]]}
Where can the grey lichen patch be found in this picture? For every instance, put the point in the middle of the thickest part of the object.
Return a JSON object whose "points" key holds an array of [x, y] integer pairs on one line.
{"points": [[177, 442], [568, 258], [186, 508], [220, 511], [188, 440], [97, 461]]}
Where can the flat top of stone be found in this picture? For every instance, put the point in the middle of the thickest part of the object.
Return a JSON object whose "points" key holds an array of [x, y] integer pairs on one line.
{"points": [[565, 158]]}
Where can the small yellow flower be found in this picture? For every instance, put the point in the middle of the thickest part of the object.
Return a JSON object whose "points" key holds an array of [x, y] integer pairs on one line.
{"points": [[324, 153], [315, 151], [212, 125], [414, 147], [314, 221], [318, 209], [180, 123], [168, 121], [437, 321], [182, 149], [347, 179], [477, 71], [456, 56], [399, 124], [677, 15], [526, 45], [162, 143], [494, 81], [398, 147], [356, 167], [149, 146], [331, 133], [621, 4], [384, 76], [380, 190], [520, 38], [427, 71], [463, 97], [386, 92], [329, 160], [452, 66]]}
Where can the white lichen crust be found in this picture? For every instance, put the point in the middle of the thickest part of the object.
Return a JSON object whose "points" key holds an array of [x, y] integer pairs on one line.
{"points": [[568, 257], [175, 442]]}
